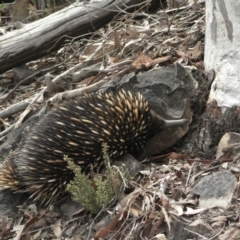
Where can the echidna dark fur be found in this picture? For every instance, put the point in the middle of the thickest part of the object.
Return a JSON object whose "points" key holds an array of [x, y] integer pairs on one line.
{"points": [[77, 128]]}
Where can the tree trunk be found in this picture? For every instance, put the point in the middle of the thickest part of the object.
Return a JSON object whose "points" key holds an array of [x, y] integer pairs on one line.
{"points": [[222, 50], [221, 54], [37, 39]]}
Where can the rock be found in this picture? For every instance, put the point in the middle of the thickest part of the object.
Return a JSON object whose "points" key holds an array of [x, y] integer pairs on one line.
{"points": [[169, 92], [70, 207], [229, 144], [9, 201], [216, 189], [201, 227], [178, 231]]}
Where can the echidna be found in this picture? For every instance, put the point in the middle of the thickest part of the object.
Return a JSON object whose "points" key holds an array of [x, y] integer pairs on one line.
{"points": [[78, 128]]}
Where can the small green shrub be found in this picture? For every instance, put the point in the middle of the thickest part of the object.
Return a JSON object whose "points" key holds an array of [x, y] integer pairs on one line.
{"points": [[92, 197]]}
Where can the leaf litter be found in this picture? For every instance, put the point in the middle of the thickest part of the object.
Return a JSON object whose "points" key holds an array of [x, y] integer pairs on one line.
{"points": [[162, 197]]}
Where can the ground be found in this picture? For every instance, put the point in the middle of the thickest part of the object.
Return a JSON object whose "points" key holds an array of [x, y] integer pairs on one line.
{"points": [[186, 192]]}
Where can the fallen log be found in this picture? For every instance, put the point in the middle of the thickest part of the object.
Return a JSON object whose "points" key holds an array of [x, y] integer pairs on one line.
{"points": [[39, 38]]}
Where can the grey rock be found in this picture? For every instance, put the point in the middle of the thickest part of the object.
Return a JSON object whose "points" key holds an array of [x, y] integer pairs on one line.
{"points": [[216, 189]]}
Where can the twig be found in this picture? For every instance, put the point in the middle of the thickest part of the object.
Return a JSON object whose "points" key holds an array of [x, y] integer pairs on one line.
{"points": [[217, 234], [28, 109], [26, 79], [6, 131], [189, 173], [195, 233], [39, 96], [93, 221], [13, 109]]}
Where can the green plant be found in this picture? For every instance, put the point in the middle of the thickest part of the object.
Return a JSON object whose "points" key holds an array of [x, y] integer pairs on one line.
{"points": [[96, 193]]}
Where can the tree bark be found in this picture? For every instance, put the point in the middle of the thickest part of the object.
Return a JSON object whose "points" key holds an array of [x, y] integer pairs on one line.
{"points": [[222, 50], [37, 39], [222, 55]]}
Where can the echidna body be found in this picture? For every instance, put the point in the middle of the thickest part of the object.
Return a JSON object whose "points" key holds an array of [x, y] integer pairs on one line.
{"points": [[78, 128]]}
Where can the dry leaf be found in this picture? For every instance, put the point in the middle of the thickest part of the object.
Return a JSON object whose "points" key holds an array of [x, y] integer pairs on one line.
{"points": [[167, 219], [19, 10], [130, 197], [115, 224], [197, 52], [57, 230], [115, 59], [191, 211], [142, 62], [117, 41], [18, 229], [218, 218], [160, 60], [178, 156], [178, 208], [159, 237]]}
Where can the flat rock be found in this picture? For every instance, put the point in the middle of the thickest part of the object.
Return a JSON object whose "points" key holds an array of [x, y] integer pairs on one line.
{"points": [[216, 189]]}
